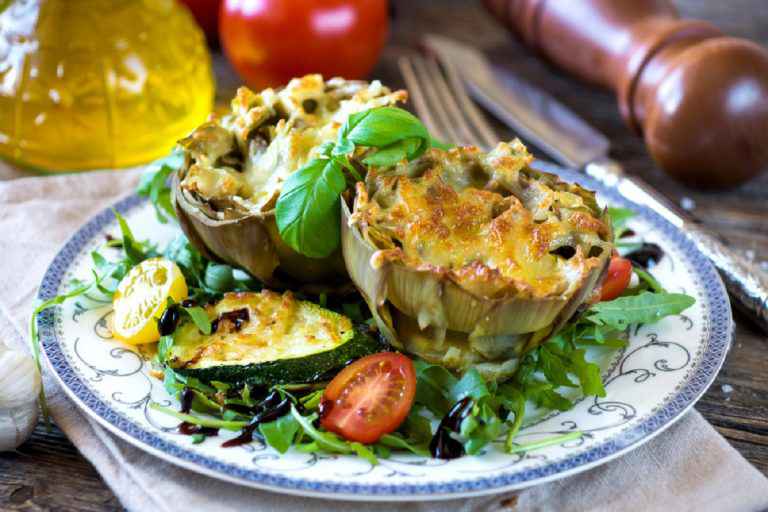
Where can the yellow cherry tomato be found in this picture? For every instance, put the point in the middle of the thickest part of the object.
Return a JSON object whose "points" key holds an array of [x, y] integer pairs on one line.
{"points": [[141, 298]]}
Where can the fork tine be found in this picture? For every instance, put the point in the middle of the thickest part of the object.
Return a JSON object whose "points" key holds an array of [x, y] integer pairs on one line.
{"points": [[486, 133], [444, 107], [428, 81], [463, 133], [417, 94]]}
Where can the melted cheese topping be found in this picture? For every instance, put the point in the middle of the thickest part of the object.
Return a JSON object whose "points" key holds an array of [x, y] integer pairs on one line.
{"points": [[482, 220], [278, 327], [246, 156]]}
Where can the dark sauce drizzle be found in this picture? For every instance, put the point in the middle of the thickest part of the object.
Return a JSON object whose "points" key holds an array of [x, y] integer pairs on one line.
{"points": [[270, 409], [647, 255], [443, 445]]}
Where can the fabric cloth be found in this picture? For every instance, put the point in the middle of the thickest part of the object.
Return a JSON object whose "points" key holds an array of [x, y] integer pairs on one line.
{"points": [[688, 467]]}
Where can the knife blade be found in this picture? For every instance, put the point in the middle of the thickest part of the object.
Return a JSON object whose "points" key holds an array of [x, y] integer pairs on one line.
{"points": [[560, 132]]}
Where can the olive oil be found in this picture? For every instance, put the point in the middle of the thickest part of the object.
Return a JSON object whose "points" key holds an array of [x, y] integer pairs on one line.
{"points": [[88, 84]]}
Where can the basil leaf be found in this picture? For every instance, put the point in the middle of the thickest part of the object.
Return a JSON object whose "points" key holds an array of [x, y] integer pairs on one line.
{"points": [[385, 127], [645, 307], [279, 434], [393, 154], [308, 209]]}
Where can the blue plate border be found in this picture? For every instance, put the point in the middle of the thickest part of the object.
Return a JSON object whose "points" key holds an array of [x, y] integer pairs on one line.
{"points": [[712, 358]]}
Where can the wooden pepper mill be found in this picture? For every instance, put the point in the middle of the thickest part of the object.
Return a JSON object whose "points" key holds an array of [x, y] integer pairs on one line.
{"points": [[699, 98]]}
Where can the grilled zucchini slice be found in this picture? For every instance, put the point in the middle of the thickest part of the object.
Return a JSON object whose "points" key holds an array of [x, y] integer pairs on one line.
{"points": [[268, 338]]}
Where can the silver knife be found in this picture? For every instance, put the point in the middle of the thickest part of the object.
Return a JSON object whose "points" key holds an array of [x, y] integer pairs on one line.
{"points": [[550, 125]]}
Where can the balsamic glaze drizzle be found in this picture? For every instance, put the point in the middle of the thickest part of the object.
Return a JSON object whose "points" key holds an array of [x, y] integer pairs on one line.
{"points": [[443, 445], [647, 255]]}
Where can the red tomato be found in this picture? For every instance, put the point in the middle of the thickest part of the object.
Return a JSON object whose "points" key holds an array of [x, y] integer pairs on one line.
{"points": [[271, 41], [369, 398], [206, 13], [617, 278]]}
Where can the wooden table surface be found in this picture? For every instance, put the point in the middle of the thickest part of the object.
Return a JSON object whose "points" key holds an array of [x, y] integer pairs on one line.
{"points": [[48, 473]]}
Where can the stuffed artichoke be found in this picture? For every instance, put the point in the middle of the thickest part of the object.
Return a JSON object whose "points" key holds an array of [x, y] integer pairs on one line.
{"points": [[466, 258], [234, 166]]}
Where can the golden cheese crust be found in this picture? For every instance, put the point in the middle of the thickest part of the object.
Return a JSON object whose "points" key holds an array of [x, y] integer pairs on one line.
{"points": [[485, 221], [257, 327], [241, 160]]}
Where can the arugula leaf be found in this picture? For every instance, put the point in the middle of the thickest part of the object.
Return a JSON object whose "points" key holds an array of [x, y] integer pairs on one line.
{"points": [[134, 251], [324, 440], [397, 442], [554, 364], [619, 218], [163, 346], [635, 309], [198, 420], [308, 209], [200, 317], [647, 279], [588, 373], [279, 434], [154, 185], [481, 427], [512, 447], [433, 385], [471, 384]]}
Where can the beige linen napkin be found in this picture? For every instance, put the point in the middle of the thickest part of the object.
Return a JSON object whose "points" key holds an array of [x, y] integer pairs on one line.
{"points": [[688, 467]]}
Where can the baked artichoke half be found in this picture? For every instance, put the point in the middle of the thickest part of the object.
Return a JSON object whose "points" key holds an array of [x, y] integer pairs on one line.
{"points": [[234, 167], [467, 258]]}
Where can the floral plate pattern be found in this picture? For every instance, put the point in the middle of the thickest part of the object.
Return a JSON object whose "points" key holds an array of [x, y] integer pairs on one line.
{"points": [[650, 384]]}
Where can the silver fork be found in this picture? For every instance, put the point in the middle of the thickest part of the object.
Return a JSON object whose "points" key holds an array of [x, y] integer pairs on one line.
{"points": [[442, 103]]}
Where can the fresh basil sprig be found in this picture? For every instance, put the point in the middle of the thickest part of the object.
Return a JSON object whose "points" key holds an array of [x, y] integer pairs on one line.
{"points": [[308, 209]]}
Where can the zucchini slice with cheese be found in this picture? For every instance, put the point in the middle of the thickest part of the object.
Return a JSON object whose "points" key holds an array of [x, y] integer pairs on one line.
{"points": [[267, 338]]}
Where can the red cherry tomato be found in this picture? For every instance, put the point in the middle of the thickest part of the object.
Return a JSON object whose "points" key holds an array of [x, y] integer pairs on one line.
{"points": [[206, 13], [271, 41], [617, 278], [369, 398]]}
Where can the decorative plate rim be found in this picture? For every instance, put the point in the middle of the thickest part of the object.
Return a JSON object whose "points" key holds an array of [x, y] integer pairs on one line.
{"points": [[718, 342]]}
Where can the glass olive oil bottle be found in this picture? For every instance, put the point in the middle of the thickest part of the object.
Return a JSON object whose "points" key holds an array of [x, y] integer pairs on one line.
{"points": [[88, 84]]}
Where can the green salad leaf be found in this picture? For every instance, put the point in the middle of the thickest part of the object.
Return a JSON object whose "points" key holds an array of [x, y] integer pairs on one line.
{"points": [[279, 434], [643, 308], [153, 184]]}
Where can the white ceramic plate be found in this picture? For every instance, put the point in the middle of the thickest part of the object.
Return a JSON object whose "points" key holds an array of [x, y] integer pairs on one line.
{"points": [[664, 370]]}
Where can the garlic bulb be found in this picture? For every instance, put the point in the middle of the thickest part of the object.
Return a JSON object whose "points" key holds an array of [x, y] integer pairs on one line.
{"points": [[19, 388]]}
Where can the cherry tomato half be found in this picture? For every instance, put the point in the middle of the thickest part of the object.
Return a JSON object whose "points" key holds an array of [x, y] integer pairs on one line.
{"points": [[369, 398], [271, 41], [617, 278]]}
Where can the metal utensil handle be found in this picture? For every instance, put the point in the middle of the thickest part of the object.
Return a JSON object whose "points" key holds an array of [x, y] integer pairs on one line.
{"points": [[745, 281]]}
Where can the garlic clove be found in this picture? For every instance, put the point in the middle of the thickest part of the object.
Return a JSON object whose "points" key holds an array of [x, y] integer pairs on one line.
{"points": [[16, 425], [19, 388], [19, 378]]}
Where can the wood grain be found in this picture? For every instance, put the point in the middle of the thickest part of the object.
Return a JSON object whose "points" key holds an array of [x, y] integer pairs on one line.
{"points": [[49, 474]]}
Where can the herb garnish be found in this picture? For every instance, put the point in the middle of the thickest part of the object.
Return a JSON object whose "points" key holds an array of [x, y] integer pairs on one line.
{"points": [[307, 211]]}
